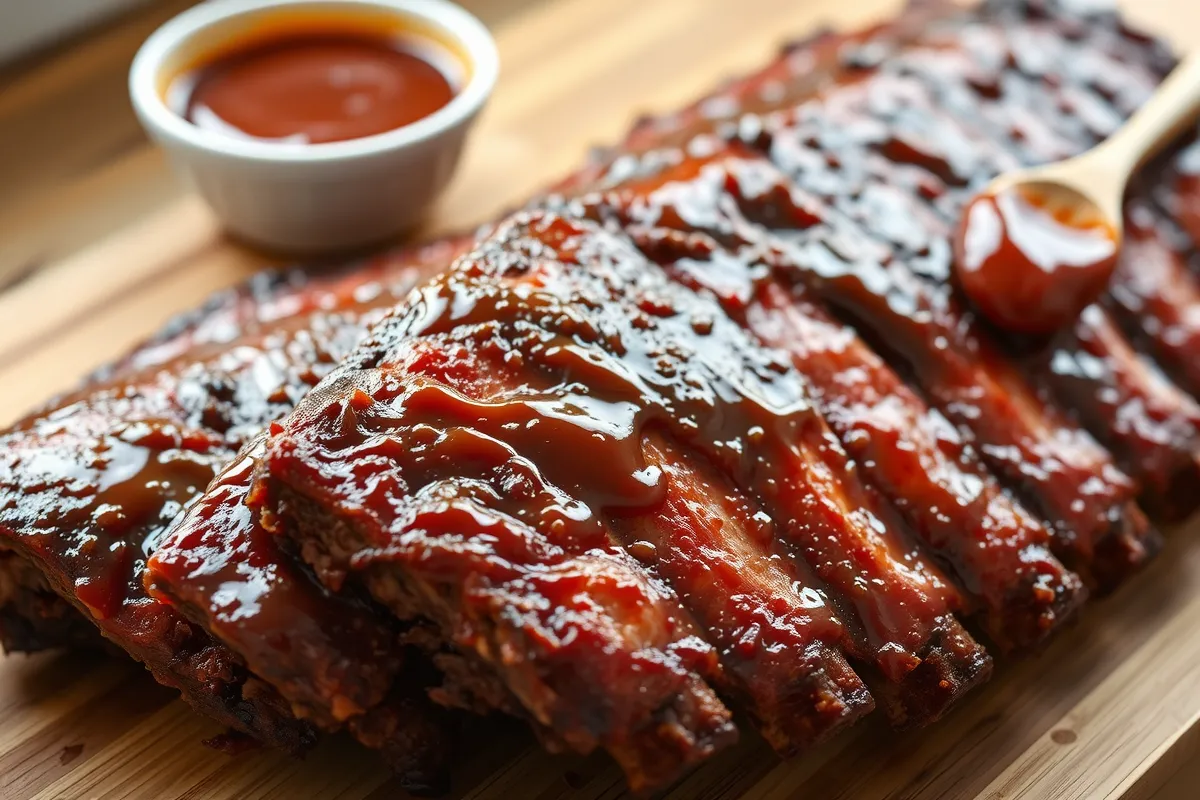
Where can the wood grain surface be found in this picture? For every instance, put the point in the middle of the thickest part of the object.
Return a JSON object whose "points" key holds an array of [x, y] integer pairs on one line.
{"points": [[99, 245]]}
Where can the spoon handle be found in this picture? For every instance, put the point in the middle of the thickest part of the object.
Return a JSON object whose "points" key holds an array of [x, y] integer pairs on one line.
{"points": [[1174, 105]]}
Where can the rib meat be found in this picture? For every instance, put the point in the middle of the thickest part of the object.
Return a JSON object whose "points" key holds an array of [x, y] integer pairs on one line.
{"points": [[32, 616], [89, 490], [732, 430], [873, 145], [696, 219], [548, 352], [1157, 296]]}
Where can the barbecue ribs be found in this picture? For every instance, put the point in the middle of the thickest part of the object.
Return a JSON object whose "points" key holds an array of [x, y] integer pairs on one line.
{"points": [[92, 486], [706, 426]]}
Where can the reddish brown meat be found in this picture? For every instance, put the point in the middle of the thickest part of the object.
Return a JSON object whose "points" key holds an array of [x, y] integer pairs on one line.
{"points": [[1157, 296], [864, 151], [1155, 428], [330, 657], [720, 554], [699, 220], [894, 128], [89, 489]]}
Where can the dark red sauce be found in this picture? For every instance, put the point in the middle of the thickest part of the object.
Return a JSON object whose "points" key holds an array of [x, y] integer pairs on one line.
{"points": [[1029, 270], [314, 88]]}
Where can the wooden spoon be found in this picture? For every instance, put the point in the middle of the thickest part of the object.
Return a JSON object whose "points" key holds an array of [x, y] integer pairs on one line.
{"points": [[1039, 245]]}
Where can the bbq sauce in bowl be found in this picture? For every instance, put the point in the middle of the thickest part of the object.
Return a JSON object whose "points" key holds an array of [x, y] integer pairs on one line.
{"points": [[307, 84], [315, 127]]}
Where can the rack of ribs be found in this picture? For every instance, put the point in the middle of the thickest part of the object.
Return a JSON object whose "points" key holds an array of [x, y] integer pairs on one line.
{"points": [[695, 219], [484, 448], [92, 486], [706, 427]]}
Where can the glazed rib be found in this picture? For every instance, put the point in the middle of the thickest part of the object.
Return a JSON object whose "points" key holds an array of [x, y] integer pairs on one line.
{"points": [[695, 218], [75, 507], [642, 347], [921, 326], [870, 154], [1024, 436], [90, 489], [596, 652], [1155, 427], [717, 551], [331, 658], [1156, 295]]}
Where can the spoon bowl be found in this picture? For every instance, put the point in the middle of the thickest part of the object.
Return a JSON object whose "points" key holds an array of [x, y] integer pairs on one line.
{"points": [[1037, 246], [1032, 254]]}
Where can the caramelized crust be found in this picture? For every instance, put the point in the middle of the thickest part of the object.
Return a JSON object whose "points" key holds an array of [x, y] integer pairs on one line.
{"points": [[91, 489], [706, 219]]}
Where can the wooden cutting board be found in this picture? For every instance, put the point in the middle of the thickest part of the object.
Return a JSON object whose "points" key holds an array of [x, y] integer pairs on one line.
{"points": [[1111, 709]]}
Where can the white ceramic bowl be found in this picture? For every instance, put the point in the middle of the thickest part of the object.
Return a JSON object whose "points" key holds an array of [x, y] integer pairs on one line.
{"points": [[313, 198]]}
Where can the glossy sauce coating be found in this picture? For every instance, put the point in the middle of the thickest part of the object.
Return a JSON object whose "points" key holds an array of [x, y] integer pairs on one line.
{"points": [[1183, 201], [884, 263], [714, 221], [104, 476], [1028, 269], [1158, 290], [883, 149], [314, 89], [220, 567], [522, 386], [926, 182]]}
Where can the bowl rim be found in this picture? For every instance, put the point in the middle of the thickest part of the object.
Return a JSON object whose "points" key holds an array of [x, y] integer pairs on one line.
{"points": [[453, 20]]}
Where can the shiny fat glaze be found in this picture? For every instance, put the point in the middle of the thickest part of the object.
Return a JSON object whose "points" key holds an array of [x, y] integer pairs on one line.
{"points": [[712, 220], [103, 478]]}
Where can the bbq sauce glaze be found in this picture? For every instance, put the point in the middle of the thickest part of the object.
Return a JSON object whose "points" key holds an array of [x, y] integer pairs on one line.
{"points": [[719, 222], [623, 353], [310, 85]]}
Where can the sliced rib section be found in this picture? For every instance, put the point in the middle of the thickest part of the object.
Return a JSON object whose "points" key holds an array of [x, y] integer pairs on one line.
{"points": [[335, 661], [591, 337], [720, 554], [700, 219], [83, 489], [1151, 426]]}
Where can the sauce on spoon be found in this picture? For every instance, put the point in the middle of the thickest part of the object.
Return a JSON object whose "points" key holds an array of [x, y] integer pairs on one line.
{"points": [[1029, 261]]}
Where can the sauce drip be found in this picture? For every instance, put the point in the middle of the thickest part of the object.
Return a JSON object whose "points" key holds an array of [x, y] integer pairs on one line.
{"points": [[1029, 270], [318, 88], [522, 385]]}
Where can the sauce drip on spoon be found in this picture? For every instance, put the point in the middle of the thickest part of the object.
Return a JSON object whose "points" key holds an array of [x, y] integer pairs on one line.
{"points": [[1031, 260]]}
